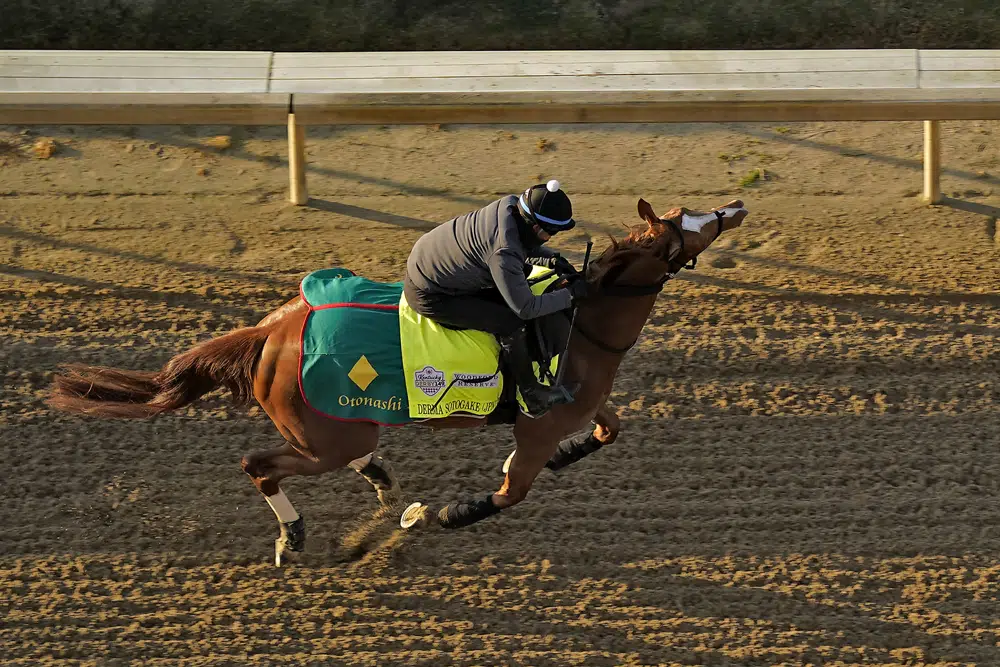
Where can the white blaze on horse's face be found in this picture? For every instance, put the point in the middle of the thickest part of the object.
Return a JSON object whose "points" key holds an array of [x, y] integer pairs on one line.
{"points": [[702, 229], [698, 229], [695, 223]]}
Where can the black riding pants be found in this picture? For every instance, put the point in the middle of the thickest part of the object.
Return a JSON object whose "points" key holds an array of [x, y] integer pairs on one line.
{"points": [[484, 311]]}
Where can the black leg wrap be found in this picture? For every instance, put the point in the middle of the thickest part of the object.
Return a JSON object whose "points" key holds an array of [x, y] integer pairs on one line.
{"points": [[376, 475], [459, 515], [294, 534], [572, 450]]}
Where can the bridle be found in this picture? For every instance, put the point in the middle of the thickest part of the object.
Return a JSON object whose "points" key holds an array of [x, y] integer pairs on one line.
{"points": [[632, 291]]}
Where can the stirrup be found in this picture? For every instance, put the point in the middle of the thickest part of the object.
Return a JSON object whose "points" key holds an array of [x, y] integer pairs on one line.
{"points": [[562, 396]]}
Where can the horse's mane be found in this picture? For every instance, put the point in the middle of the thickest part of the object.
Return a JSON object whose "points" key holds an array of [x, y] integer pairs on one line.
{"points": [[641, 239]]}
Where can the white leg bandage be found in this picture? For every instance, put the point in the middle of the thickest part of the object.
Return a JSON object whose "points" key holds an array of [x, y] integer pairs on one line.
{"points": [[282, 507]]}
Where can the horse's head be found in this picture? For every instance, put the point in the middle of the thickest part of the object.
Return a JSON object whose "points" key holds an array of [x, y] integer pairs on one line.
{"points": [[655, 252]]}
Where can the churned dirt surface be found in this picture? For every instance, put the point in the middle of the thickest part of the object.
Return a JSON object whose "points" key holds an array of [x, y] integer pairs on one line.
{"points": [[807, 471]]}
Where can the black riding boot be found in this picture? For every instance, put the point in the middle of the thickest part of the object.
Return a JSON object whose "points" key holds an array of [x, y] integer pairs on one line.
{"points": [[537, 397]]}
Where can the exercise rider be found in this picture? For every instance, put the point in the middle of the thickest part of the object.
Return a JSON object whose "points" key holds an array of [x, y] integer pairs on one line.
{"points": [[470, 273]]}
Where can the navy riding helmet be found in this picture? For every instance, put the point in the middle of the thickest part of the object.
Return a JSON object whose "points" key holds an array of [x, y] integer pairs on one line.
{"points": [[547, 206]]}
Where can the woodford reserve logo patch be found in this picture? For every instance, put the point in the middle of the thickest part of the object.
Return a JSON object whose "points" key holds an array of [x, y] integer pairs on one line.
{"points": [[429, 380], [477, 380]]}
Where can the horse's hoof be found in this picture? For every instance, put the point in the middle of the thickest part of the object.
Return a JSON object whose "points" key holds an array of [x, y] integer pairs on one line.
{"points": [[293, 538], [412, 515], [280, 549], [506, 464]]}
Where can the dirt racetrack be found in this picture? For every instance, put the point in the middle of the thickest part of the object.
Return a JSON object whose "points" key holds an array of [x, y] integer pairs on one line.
{"points": [[808, 467]]}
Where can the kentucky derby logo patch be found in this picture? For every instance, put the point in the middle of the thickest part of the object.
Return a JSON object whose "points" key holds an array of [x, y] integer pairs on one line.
{"points": [[429, 380]]}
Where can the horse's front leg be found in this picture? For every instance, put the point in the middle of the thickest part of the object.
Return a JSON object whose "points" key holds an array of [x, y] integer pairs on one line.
{"points": [[572, 450], [536, 442], [607, 427]]}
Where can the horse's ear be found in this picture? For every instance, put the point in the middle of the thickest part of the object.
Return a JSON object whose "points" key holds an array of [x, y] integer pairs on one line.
{"points": [[646, 212]]}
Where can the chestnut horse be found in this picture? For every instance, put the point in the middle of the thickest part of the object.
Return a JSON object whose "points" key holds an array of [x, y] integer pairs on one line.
{"points": [[261, 362]]}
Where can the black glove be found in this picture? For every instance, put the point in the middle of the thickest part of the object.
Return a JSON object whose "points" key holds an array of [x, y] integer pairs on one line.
{"points": [[563, 266], [579, 290]]}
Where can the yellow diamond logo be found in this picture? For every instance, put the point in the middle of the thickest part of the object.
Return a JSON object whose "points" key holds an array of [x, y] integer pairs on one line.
{"points": [[362, 374]]}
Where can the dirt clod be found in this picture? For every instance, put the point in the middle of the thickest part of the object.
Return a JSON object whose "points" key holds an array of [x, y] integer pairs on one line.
{"points": [[44, 148]]}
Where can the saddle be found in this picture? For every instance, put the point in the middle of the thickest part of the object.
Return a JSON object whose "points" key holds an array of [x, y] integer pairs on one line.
{"points": [[365, 355], [546, 337]]}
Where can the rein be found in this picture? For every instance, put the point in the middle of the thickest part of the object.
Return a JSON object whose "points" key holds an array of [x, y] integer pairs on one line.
{"points": [[629, 291]]}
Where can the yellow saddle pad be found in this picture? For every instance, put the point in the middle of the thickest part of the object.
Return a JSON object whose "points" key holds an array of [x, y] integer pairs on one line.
{"points": [[451, 372]]}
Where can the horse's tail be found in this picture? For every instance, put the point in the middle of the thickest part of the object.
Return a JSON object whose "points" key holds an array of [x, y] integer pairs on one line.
{"points": [[228, 360]]}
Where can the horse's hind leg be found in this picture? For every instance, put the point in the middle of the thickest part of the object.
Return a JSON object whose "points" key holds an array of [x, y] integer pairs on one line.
{"points": [[378, 472], [340, 445], [267, 469]]}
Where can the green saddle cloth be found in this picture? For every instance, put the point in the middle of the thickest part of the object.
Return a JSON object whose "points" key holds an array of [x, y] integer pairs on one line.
{"points": [[350, 364]]}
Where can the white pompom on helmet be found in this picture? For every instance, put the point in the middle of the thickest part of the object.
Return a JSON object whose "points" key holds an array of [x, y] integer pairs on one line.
{"points": [[547, 206]]}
